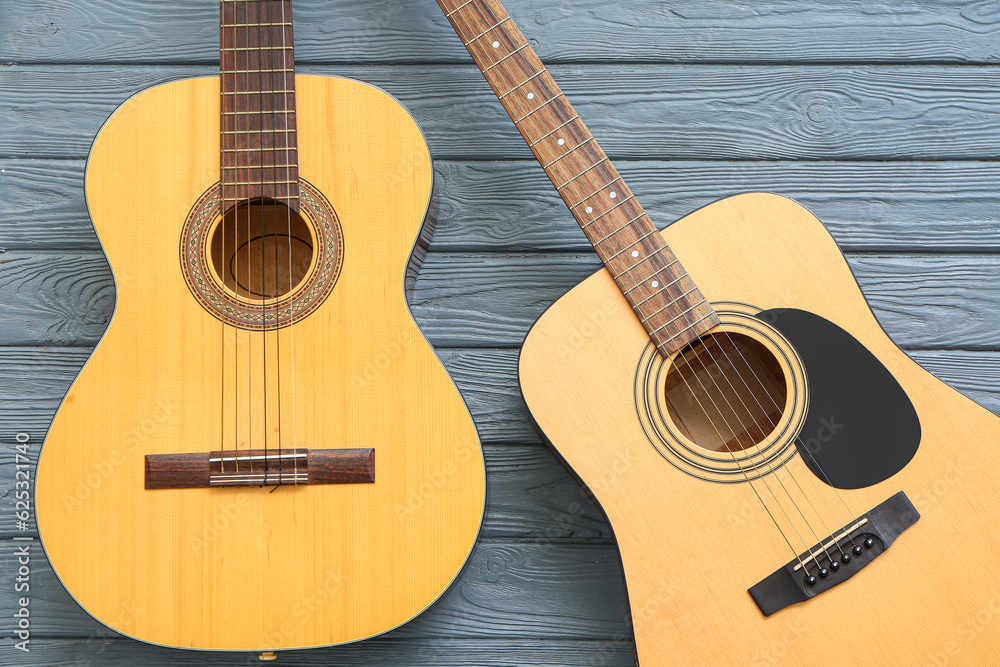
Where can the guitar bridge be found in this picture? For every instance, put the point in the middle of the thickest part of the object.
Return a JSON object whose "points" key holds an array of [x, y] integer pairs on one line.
{"points": [[260, 467], [850, 550]]}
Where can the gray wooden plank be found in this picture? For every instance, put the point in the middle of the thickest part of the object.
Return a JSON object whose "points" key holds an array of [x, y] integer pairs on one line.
{"points": [[923, 301], [34, 380], [508, 589], [530, 496], [512, 207], [101, 31], [636, 111], [483, 300], [432, 651]]}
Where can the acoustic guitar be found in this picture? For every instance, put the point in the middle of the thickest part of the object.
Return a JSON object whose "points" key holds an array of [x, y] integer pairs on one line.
{"points": [[784, 484], [263, 452]]}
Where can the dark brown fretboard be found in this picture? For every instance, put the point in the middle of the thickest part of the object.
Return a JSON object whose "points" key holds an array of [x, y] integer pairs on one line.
{"points": [[259, 156], [663, 296]]}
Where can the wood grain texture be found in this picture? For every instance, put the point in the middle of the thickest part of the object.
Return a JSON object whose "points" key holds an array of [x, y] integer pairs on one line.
{"points": [[703, 112], [96, 53], [491, 300], [101, 31], [578, 375], [573, 589], [332, 550], [430, 650], [935, 207]]}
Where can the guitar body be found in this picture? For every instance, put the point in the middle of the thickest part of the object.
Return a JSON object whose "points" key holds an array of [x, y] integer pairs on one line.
{"points": [[260, 567], [694, 540]]}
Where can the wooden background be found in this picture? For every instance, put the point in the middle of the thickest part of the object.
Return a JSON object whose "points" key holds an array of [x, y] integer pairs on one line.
{"points": [[883, 117]]}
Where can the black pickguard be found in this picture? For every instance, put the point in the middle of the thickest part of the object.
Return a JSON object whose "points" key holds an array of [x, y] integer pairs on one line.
{"points": [[861, 428]]}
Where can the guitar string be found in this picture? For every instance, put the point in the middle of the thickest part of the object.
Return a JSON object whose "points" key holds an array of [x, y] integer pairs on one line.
{"points": [[288, 230], [788, 493], [711, 421], [842, 525], [737, 463], [249, 261], [746, 476], [771, 470], [274, 235], [236, 237], [222, 221], [263, 238], [765, 478]]}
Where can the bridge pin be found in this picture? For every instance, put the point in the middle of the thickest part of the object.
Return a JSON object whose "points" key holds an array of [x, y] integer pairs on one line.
{"points": [[857, 549], [811, 580], [834, 565], [845, 559], [823, 572], [869, 543]]}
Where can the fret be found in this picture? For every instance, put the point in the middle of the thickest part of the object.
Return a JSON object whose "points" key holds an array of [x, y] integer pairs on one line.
{"points": [[515, 51], [283, 149], [635, 243], [538, 108], [492, 27], [667, 305], [657, 286], [553, 130], [533, 76], [255, 71], [620, 203], [253, 25], [269, 131], [658, 292], [677, 317], [709, 314], [243, 199], [606, 185], [583, 143], [257, 92], [256, 48], [643, 262], [596, 164], [468, 2], [264, 166], [257, 113]]}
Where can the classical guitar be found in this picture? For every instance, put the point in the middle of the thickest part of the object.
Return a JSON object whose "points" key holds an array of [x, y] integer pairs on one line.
{"points": [[785, 485], [263, 452]]}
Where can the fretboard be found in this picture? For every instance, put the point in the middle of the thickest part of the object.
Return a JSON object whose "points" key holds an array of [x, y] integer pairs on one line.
{"points": [[663, 296], [259, 156]]}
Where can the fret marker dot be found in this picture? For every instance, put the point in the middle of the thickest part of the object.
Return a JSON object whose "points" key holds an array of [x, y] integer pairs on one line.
{"points": [[613, 194], [635, 253], [561, 142], [590, 209], [496, 45], [531, 96], [655, 284]]}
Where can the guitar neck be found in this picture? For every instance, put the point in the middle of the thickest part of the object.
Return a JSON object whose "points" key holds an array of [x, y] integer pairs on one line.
{"points": [[257, 68], [663, 296]]}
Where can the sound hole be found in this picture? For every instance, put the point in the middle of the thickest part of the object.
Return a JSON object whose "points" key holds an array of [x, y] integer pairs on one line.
{"points": [[262, 250], [725, 392]]}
